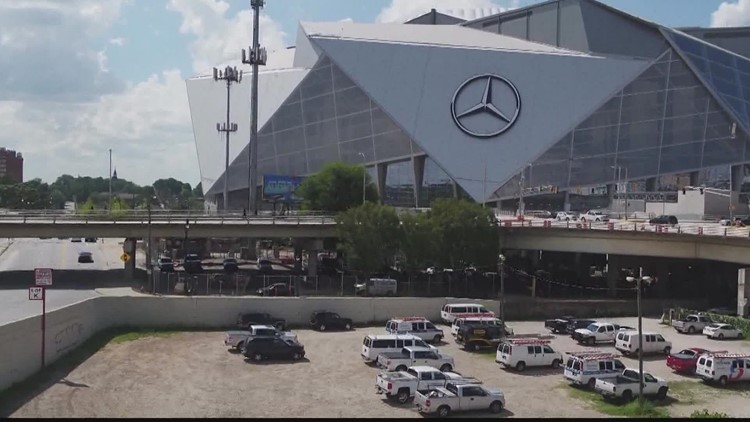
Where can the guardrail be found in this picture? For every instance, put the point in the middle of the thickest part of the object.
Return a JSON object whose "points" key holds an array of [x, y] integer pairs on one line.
{"points": [[695, 229], [30, 218]]}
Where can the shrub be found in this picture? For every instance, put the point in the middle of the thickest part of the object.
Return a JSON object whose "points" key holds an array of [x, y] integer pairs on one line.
{"points": [[705, 414]]}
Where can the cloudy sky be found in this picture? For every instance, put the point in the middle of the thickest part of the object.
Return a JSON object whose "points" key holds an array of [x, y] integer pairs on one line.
{"points": [[82, 76]]}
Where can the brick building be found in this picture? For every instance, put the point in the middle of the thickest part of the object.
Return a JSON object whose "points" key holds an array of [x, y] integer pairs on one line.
{"points": [[11, 165]]}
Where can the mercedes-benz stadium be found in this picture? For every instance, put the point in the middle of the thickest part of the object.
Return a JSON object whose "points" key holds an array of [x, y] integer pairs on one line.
{"points": [[564, 103]]}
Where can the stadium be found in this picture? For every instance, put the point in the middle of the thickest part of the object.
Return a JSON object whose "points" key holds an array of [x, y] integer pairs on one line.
{"points": [[566, 103]]}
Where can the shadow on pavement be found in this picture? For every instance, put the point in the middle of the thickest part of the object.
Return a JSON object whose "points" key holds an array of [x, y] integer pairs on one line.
{"points": [[72, 279]]}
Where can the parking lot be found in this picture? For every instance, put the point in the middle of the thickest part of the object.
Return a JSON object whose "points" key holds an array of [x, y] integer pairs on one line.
{"points": [[194, 375]]}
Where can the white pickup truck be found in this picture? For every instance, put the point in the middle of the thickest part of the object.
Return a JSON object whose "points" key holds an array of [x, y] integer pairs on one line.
{"points": [[598, 332], [401, 385], [692, 324], [625, 386], [237, 338], [414, 356], [445, 400]]}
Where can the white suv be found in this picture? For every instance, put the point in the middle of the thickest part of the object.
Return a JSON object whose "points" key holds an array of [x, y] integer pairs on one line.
{"points": [[566, 216], [594, 217]]}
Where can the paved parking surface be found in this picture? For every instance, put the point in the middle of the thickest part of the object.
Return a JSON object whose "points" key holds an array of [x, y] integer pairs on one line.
{"points": [[194, 375]]}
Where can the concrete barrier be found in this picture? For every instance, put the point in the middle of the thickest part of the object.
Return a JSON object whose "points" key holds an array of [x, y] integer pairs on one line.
{"points": [[70, 326]]}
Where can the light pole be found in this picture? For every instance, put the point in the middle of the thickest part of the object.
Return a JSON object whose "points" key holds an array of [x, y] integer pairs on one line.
{"points": [[521, 205], [110, 180], [619, 181], [229, 74], [639, 280], [148, 249], [364, 176], [501, 270], [255, 56]]}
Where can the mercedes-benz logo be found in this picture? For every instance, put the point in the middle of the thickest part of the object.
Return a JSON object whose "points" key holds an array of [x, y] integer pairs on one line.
{"points": [[485, 118]]}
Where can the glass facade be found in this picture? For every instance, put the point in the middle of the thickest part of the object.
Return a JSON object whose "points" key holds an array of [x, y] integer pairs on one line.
{"points": [[327, 118], [435, 184], [663, 122], [399, 184]]}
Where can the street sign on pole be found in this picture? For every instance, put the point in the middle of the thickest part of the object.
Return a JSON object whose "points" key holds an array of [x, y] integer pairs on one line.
{"points": [[43, 276], [36, 293]]}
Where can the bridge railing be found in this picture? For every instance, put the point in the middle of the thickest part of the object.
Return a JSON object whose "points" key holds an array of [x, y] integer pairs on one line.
{"points": [[689, 228]]}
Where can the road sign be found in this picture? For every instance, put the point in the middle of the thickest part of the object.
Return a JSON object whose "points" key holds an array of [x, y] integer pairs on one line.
{"points": [[125, 257], [36, 293], [43, 276]]}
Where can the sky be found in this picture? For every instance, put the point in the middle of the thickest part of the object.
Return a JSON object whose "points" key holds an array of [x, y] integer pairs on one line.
{"points": [[82, 77]]}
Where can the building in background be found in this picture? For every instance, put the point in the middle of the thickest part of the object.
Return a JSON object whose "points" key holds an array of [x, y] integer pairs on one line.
{"points": [[561, 102], [11, 165]]}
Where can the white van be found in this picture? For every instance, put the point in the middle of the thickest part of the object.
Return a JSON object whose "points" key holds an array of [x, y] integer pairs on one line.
{"points": [[375, 344], [458, 322], [452, 311], [524, 352], [627, 343], [418, 326], [723, 367], [584, 368], [377, 287]]}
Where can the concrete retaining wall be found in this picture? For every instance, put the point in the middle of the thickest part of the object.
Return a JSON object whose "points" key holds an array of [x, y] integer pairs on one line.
{"points": [[69, 327]]}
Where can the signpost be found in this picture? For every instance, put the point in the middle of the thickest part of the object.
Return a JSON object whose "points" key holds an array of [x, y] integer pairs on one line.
{"points": [[42, 278]]}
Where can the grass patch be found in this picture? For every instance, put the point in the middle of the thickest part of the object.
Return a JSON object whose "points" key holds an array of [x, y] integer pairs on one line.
{"points": [[633, 409], [705, 414], [15, 396]]}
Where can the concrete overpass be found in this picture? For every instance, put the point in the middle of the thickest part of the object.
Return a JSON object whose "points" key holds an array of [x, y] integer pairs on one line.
{"points": [[732, 249]]}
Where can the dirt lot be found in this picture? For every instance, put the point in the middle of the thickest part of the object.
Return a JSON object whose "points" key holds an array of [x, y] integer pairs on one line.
{"points": [[194, 375]]}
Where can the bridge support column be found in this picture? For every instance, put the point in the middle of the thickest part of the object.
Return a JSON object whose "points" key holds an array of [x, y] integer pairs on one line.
{"points": [[743, 291], [312, 262], [128, 246], [611, 196], [566, 203], [694, 178], [297, 258], [614, 264], [651, 184]]}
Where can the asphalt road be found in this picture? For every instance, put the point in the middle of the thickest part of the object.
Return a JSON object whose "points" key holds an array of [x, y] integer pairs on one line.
{"points": [[27, 254]]}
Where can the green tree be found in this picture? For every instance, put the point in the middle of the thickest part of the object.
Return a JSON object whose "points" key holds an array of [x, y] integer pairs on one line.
{"points": [[337, 187], [118, 207], [466, 233], [369, 236], [57, 198], [87, 207], [198, 191], [419, 241]]}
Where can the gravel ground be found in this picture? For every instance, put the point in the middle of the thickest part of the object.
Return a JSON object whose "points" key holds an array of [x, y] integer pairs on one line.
{"points": [[194, 375]]}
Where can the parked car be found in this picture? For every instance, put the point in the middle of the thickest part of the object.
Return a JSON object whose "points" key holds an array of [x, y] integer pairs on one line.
{"points": [[85, 257], [265, 266], [521, 353], [594, 216], [375, 344], [723, 367], [584, 368], [276, 289], [246, 320], [418, 326], [261, 348], [230, 265], [89, 239], [377, 287], [444, 400], [402, 385], [721, 331], [452, 311], [413, 356], [670, 220], [192, 264], [686, 360], [559, 325], [475, 337], [324, 320], [459, 322], [75, 239], [566, 216], [237, 339], [691, 323], [625, 386], [575, 324], [165, 264], [627, 342]]}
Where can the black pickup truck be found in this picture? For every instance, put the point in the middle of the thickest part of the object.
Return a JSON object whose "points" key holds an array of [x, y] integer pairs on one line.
{"points": [[575, 324], [559, 325]]}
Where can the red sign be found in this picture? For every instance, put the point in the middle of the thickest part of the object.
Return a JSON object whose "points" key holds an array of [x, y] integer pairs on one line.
{"points": [[43, 276]]}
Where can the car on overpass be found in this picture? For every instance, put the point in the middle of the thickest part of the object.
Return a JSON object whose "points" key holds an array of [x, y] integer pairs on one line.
{"points": [[664, 219], [85, 257]]}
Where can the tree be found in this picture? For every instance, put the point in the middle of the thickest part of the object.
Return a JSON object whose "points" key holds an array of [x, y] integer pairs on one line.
{"points": [[118, 207], [369, 236], [57, 198], [198, 191], [337, 187], [466, 233], [87, 207], [419, 241]]}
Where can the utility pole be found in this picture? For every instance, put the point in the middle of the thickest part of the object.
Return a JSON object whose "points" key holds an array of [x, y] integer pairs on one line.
{"points": [[639, 286], [230, 74], [501, 270], [255, 56], [110, 180]]}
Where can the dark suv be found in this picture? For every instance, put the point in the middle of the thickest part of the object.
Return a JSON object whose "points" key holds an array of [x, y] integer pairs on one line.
{"points": [[664, 219], [261, 348], [323, 320], [477, 336], [245, 320]]}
